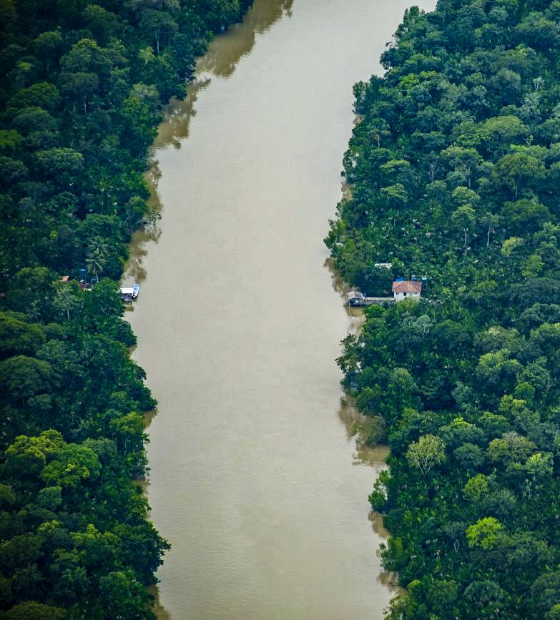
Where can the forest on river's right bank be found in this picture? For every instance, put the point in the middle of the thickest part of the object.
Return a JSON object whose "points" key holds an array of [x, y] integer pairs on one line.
{"points": [[454, 171]]}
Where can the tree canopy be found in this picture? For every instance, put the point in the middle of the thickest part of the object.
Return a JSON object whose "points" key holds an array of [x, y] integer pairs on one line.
{"points": [[81, 94], [452, 172]]}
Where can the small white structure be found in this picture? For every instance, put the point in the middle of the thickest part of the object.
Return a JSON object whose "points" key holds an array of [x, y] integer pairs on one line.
{"points": [[406, 289], [355, 298], [129, 293], [383, 265]]}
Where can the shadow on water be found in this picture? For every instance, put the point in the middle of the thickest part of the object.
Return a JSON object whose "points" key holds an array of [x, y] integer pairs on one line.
{"points": [[223, 57], [376, 458], [150, 233], [388, 579], [158, 609], [355, 316], [135, 271], [220, 61]]}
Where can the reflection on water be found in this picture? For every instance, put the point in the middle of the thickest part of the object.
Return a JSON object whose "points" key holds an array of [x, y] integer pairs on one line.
{"points": [[385, 578], [150, 233], [219, 61], [355, 316], [135, 270], [160, 611], [365, 455], [254, 481], [223, 56], [376, 458]]}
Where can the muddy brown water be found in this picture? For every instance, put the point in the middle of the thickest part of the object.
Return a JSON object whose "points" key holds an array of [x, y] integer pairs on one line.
{"points": [[255, 478]]}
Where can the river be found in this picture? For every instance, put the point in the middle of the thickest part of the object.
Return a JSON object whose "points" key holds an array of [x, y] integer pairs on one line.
{"points": [[255, 479]]}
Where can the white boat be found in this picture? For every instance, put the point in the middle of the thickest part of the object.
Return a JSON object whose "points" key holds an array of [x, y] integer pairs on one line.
{"points": [[129, 293]]}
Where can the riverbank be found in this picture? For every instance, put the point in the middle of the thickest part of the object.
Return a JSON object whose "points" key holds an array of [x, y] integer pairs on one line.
{"points": [[80, 98], [253, 477], [451, 171]]}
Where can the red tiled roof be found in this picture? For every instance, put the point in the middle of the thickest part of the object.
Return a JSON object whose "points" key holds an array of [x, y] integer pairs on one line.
{"points": [[407, 287]]}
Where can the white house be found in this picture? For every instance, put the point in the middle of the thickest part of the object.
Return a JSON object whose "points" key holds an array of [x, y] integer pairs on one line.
{"points": [[406, 289]]}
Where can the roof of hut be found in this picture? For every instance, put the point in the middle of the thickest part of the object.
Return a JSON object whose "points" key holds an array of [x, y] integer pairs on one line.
{"points": [[407, 286]]}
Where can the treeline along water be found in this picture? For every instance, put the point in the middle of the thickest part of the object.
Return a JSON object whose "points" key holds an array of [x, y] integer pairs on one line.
{"points": [[81, 91], [254, 480], [454, 173]]}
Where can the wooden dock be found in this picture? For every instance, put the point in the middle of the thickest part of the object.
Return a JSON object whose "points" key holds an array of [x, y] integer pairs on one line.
{"points": [[359, 300]]}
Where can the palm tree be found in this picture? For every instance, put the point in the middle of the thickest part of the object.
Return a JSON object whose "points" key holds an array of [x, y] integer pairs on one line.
{"points": [[97, 254], [379, 130]]}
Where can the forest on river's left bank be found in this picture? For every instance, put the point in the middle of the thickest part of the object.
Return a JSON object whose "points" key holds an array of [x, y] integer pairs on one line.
{"points": [[82, 89]]}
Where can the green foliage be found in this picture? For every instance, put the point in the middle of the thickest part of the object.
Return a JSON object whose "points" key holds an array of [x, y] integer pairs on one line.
{"points": [[484, 533], [37, 611], [426, 453], [454, 173], [81, 96]]}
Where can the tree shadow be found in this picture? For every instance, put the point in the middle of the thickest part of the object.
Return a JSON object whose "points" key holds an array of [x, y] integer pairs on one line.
{"points": [[220, 61]]}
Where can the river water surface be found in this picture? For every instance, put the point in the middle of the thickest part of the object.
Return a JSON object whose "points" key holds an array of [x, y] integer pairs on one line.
{"points": [[254, 478]]}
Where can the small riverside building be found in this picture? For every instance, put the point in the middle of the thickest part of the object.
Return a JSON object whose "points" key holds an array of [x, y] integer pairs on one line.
{"points": [[402, 289], [406, 289]]}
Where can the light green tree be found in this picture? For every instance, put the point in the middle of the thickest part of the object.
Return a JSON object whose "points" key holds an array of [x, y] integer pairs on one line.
{"points": [[426, 453], [484, 533]]}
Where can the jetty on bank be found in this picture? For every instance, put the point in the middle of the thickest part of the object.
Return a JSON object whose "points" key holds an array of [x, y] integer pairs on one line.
{"points": [[402, 289], [359, 300]]}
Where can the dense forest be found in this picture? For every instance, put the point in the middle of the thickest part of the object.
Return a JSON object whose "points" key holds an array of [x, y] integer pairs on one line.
{"points": [[453, 172], [81, 94]]}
